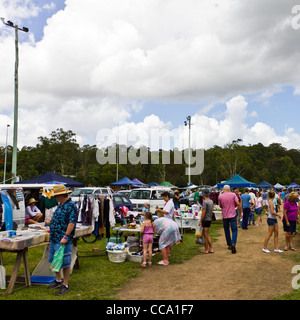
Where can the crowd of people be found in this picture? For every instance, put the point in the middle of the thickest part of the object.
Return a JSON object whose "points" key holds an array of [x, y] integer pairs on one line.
{"points": [[239, 211]]}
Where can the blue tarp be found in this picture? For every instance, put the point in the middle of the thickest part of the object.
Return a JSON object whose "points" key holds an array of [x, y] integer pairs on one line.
{"points": [[237, 181], [53, 177]]}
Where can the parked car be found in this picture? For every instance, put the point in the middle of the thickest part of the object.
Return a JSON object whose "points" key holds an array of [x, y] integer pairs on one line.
{"points": [[124, 192], [89, 190], [188, 200], [150, 195], [120, 200], [19, 200]]}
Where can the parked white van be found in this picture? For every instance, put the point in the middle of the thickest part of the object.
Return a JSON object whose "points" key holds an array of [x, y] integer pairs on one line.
{"points": [[152, 196], [18, 195], [78, 192]]}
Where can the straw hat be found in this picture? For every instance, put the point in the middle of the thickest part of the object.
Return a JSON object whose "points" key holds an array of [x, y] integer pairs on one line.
{"points": [[31, 200], [60, 189]]}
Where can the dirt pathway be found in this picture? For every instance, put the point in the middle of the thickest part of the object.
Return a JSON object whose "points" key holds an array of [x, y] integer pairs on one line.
{"points": [[249, 274]]}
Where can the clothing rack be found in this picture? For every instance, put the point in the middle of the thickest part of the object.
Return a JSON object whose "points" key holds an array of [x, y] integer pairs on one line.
{"points": [[99, 209]]}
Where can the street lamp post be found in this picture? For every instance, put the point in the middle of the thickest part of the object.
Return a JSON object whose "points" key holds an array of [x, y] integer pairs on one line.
{"points": [[15, 135], [5, 158], [188, 122]]}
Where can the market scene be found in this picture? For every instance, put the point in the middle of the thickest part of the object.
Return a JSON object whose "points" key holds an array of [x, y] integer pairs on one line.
{"points": [[149, 150], [138, 222]]}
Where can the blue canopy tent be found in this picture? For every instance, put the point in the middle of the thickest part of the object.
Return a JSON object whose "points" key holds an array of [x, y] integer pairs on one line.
{"points": [[124, 182], [278, 186], [264, 185], [191, 186], [138, 182], [237, 181], [152, 184], [294, 185], [53, 178]]}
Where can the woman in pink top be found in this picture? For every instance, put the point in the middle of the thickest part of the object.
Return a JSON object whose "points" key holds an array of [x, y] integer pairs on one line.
{"points": [[290, 216]]}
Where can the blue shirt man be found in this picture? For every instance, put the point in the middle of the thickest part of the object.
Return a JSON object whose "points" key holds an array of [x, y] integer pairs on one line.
{"points": [[246, 198], [62, 230], [64, 214]]}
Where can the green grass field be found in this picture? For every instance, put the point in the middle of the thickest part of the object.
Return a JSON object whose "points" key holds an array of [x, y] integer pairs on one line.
{"points": [[98, 278]]}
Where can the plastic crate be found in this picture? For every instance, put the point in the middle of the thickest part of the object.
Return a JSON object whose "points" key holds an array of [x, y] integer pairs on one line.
{"points": [[135, 258]]}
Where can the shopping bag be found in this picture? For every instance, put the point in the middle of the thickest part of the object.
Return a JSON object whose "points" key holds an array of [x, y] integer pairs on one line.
{"points": [[199, 230], [2, 278], [57, 259], [199, 235], [200, 240]]}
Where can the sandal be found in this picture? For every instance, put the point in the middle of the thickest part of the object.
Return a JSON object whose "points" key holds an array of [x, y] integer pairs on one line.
{"points": [[286, 248], [205, 252], [162, 263], [293, 249]]}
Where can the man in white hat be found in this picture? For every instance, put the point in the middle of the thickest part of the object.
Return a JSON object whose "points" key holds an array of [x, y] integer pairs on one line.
{"points": [[228, 201], [62, 230]]}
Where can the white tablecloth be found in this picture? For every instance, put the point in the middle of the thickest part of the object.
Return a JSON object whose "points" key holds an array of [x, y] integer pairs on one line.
{"points": [[185, 222]]}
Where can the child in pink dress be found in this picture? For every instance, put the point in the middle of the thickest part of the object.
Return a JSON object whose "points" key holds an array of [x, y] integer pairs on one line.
{"points": [[148, 229]]}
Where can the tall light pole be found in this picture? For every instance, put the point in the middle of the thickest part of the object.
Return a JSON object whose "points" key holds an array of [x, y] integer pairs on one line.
{"points": [[188, 122], [5, 159], [15, 135]]}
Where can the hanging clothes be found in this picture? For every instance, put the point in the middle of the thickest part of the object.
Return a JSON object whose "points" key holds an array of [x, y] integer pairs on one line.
{"points": [[101, 228], [106, 217]]}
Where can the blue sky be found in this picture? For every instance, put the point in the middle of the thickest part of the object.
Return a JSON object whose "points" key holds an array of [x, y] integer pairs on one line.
{"points": [[103, 65], [36, 24]]}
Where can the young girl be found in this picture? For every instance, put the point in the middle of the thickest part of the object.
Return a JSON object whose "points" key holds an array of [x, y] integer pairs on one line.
{"points": [[148, 229], [258, 208], [272, 223]]}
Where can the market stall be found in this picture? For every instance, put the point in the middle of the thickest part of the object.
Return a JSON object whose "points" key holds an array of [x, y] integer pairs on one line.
{"points": [[18, 243], [23, 240], [189, 217], [43, 268]]}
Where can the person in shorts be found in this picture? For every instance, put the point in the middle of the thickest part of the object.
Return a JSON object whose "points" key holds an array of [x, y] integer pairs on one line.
{"points": [[62, 231], [290, 217], [206, 219], [272, 224], [148, 230]]}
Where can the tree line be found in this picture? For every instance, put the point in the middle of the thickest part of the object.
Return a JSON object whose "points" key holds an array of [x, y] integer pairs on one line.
{"points": [[61, 153]]}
